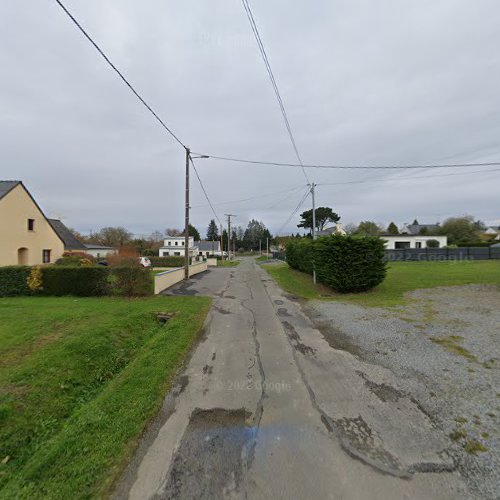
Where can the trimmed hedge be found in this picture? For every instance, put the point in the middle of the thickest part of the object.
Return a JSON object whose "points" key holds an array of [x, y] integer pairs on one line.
{"points": [[79, 281], [167, 261], [14, 281], [344, 263], [131, 281]]}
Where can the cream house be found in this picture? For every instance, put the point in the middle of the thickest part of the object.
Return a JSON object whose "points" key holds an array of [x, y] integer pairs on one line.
{"points": [[26, 235]]}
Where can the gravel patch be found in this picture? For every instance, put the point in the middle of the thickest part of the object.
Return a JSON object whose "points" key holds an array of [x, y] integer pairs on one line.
{"points": [[443, 347]]}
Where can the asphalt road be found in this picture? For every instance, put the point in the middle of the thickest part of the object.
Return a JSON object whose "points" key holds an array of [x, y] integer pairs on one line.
{"points": [[267, 408]]}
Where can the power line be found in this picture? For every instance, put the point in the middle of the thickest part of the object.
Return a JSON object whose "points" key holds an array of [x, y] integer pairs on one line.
{"points": [[306, 194], [204, 190], [352, 167], [253, 197], [367, 181], [119, 73], [267, 64]]}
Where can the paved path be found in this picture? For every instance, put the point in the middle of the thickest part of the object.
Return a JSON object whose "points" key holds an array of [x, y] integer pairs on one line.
{"points": [[266, 408]]}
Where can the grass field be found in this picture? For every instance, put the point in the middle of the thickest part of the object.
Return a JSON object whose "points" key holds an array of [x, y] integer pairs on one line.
{"points": [[79, 380], [402, 277], [228, 263]]}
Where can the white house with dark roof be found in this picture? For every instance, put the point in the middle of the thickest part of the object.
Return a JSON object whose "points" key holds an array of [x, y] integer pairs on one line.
{"points": [[207, 248]]}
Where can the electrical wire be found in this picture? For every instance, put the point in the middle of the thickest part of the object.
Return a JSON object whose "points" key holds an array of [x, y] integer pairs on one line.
{"points": [[351, 167], [204, 190], [119, 73], [267, 64], [306, 194]]}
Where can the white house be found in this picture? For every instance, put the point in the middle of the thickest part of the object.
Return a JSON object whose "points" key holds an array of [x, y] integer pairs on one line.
{"points": [[99, 251], [397, 241], [337, 229], [207, 248], [174, 246]]}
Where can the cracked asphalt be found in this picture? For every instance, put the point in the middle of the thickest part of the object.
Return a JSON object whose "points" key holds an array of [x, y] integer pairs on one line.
{"points": [[267, 408]]}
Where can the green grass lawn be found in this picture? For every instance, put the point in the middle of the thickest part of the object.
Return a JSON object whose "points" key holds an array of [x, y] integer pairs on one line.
{"points": [[79, 380], [262, 258], [402, 277], [228, 263]]}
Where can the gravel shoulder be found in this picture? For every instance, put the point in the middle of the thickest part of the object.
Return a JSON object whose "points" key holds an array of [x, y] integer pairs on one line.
{"points": [[443, 349]]}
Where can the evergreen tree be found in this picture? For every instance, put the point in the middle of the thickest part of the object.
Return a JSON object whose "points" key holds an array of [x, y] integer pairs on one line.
{"points": [[392, 228], [212, 231]]}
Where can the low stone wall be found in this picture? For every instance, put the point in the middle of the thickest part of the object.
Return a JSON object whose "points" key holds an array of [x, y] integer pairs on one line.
{"points": [[173, 276], [212, 262]]}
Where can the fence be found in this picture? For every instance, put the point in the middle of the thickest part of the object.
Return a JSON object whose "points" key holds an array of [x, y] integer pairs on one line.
{"points": [[169, 278], [432, 254]]}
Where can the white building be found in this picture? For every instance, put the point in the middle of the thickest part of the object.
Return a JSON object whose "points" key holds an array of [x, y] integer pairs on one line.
{"points": [[397, 241], [99, 251], [207, 248], [174, 246]]}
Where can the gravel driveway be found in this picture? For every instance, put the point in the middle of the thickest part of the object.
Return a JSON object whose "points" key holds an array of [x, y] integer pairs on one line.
{"points": [[443, 347]]}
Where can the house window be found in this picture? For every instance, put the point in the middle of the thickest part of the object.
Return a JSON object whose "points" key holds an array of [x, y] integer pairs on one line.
{"points": [[177, 253], [402, 244], [418, 244], [165, 254], [176, 243], [31, 224], [182, 243], [46, 256]]}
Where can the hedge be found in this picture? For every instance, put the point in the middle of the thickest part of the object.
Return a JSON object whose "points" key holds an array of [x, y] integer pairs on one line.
{"points": [[131, 281], [13, 281], [79, 281], [167, 261], [344, 263]]}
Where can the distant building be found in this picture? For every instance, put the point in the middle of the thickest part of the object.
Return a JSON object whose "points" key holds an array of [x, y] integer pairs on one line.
{"points": [[207, 248], [174, 246], [417, 228], [26, 235], [337, 229], [400, 241], [99, 251]]}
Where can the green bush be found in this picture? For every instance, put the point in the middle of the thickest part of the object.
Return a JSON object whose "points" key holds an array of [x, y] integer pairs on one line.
{"points": [[432, 244], [75, 259], [344, 263], [131, 281], [167, 261], [14, 281], [79, 281]]}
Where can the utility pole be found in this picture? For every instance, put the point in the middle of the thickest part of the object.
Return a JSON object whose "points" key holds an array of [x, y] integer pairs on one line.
{"points": [[221, 244], [186, 222], [313, 224], [260, 247], [229, 234], [267, 246]]}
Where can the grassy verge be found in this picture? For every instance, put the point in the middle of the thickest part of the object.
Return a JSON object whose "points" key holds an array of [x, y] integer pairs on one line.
{"points": [[79, 380], [402, 277], [228, 263], [262, 258]]}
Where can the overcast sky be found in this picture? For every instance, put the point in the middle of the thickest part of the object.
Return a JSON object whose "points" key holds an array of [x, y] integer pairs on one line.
{"points": [[363, 81]]}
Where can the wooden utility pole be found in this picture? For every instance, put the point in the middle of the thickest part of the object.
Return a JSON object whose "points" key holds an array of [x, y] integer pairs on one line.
{"points": [[221, 244], [186, 221], [313, 224], [229, 234]]}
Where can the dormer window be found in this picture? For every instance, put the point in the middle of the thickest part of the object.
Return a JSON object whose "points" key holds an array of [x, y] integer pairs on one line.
{"points": [[31, 224]]}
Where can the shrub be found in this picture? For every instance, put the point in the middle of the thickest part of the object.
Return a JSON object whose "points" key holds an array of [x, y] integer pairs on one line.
{"points": [[75, 259], [14, 281], [432, 244], [78, 281], [34, 281], [167, 261], [299, 254], [130, 281], [344, 263]]}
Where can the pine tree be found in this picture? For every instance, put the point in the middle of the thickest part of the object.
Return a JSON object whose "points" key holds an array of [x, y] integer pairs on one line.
{"points": [[212, 231]]}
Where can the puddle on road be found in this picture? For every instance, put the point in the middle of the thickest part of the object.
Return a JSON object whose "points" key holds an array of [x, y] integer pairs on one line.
{"points": [[209, 460]]}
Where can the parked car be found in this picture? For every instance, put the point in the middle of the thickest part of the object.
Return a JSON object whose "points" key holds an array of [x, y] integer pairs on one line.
{"points": [[144, 262]]}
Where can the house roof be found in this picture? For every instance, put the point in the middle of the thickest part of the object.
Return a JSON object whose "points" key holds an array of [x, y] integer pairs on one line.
{"points": [[207, 245], [416, 228], [7, 186], [91, 246], [69, 239]]}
